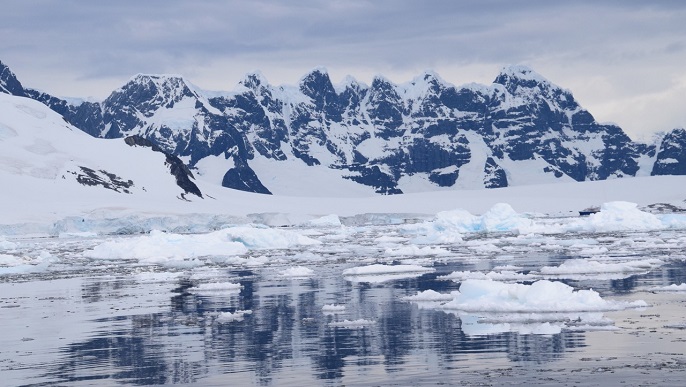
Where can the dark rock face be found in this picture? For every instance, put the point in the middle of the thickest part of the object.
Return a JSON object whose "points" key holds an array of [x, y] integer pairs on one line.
{"points": [[671, 156], [9, 83], [90, 177], [176, 167], [375, 135]]}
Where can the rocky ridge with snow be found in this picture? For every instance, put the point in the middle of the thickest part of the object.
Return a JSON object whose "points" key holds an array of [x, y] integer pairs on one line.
{"points": [[385, 138]]}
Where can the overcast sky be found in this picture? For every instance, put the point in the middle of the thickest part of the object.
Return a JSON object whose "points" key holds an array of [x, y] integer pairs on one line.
{"points": [[624, 60]]}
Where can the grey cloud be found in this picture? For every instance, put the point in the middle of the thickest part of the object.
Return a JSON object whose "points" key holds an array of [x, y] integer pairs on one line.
{"points": [[105, 40]]}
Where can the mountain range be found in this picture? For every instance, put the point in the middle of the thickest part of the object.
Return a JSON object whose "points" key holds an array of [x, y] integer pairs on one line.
{"points": [[317, 138]]}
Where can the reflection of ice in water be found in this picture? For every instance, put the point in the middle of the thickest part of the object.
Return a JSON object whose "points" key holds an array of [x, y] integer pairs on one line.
{"points": [[544, 307], [197, 316]]}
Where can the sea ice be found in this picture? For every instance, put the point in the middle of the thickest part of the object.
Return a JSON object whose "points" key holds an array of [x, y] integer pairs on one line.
{"points": [[353, 324], [670, 288], [541, 296], [377, 269], [414, 250], [227, 317], [333, 308], [585, 266], [297, 272], [159, 247], [430, 296], [6, 245], [215, 287]]}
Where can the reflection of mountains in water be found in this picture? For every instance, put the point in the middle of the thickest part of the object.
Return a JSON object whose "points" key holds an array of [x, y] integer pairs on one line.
{"points": [[286, 329]]}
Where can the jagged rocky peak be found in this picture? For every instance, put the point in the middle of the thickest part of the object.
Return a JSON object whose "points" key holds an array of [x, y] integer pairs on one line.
{"points": [[671, 156], [254, 80], [523, 82], [159, 88], [350, 83], [514, 76], [316, 82], [9, 84], [428, 81]]}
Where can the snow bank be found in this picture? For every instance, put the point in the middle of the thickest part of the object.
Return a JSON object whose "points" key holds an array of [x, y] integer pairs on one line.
{"points": [[160, 247], [541, 296]]}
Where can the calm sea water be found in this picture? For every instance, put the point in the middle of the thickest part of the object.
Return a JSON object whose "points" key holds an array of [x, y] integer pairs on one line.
{"points": [[126, 324]]}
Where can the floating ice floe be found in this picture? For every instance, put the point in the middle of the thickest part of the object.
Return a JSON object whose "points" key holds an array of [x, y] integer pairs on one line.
{"points": [[416, 251], [504, 275], [670, 288], [160, 248], [333, 308], [430, 296], [586, 266], [227, 317], [154, 277], [216, 287], [353, 324], [542, 296], [24, 264], [617, 216], [378, 273], [451, 226], [6, 245], [297, 272]]}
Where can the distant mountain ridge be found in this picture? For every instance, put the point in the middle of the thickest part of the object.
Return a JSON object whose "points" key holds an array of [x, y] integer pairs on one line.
{"points": [[385, 138]]}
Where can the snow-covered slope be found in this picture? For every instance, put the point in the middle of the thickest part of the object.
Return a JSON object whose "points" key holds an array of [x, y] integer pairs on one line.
{"points": [[44, 161], [319, 139], [56, 177]]}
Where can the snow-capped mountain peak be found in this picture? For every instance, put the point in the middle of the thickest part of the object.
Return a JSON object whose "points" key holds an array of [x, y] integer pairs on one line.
{"points": [[316, 138]]}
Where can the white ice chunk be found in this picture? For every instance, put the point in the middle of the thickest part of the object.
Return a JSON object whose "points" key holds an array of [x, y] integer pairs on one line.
{"points": [[386, 269], [430, 296], [333, 308], [541, 296], [414, 250], [617, 216], [160, 247], [585, 266], [353, 324], [297, 272], [214, 287], [670, 288], [226, 317]]}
